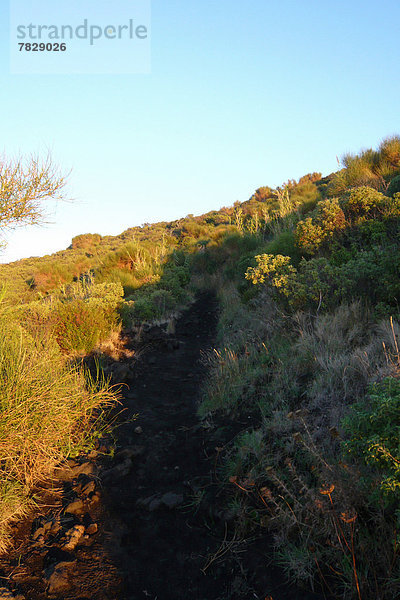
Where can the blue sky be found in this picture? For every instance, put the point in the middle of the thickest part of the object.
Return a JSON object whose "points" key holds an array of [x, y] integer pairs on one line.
{"points": [[240, 94]]}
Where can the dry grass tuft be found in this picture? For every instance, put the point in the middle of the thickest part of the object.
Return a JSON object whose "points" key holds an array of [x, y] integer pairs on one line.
{"points": [[48, 410]]}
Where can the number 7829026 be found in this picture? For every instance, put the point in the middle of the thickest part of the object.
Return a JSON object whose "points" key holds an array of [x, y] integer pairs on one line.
{"points": [[42, 47]]}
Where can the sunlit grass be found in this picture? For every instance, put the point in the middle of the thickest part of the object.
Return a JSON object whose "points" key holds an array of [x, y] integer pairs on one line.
{"points": [[48, 410]]}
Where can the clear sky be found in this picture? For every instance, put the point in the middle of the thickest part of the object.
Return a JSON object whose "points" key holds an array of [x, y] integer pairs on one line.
{"points": [[241, 94]]}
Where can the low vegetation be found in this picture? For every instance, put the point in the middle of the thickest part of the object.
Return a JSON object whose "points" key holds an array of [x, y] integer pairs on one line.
{"points": [[308, 348]]}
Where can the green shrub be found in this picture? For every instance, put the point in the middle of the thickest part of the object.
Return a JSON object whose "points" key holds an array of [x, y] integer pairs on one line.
{"points": [[309, 236], [305, 195], [143, 309], [364, 202], [50, 277], [147, 306], [179, 258], [163, 301], [330, 215], [236, 244], [371, 274], [127, 313], [371, 233], [285, 244], [274, 269], [394, 186], [390, 151], [317, 285], [235, 270], [313, 284], [86, 241], [79, 325], [373, 429], [328, 220]]}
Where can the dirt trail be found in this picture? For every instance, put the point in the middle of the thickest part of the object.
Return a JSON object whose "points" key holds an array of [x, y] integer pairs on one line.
{"points": [[161, 524]]}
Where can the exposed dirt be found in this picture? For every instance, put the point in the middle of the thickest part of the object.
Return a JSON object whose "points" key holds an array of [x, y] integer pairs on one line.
{"points": [[152, 524]]}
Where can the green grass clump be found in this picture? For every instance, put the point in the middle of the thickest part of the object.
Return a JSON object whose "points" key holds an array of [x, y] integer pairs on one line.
{"points": [[373, 168]]}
